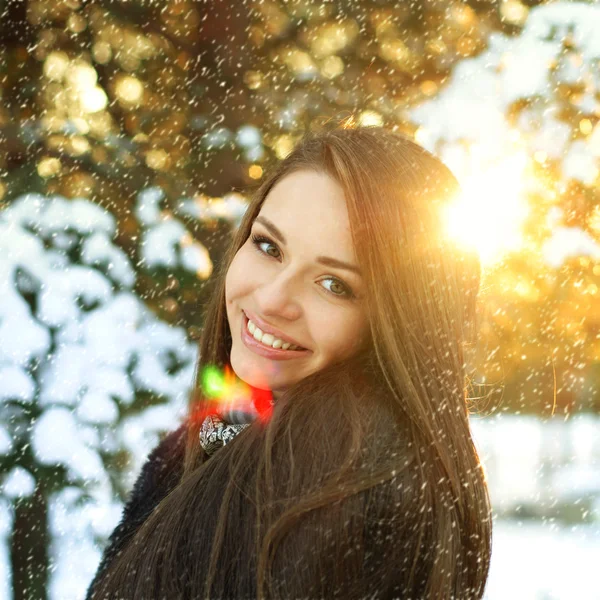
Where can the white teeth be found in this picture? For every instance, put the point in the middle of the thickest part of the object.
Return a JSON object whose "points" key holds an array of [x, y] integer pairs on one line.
{"points": [[269, 340]]}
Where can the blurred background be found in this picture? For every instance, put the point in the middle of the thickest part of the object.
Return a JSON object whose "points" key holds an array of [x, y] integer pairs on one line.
{"points": [[131, 136]]}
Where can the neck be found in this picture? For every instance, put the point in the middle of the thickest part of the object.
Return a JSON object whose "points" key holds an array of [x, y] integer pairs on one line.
{"points": [[263, 399]]}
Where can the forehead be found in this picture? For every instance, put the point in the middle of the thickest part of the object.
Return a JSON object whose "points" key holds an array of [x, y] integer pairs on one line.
{"points": [[310, 205]]}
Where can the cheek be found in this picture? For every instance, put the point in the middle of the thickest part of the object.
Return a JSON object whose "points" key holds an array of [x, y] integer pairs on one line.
{"points": [[236, 283], [335, 338], [343, 337]]}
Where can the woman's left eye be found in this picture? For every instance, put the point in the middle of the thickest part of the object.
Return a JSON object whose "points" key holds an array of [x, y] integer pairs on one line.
{"points": [[257, 240]]}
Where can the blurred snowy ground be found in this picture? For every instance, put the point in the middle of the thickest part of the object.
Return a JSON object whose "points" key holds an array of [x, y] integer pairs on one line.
{"points": [[546, 469], [544, 479], [537, 560]]}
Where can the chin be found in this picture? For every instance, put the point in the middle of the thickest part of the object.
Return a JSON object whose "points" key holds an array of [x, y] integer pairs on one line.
{"points": [[251, 375]]}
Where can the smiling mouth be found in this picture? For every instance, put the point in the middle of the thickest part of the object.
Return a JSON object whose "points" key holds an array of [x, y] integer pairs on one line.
{"points": [[292, 347], [269, 351]]}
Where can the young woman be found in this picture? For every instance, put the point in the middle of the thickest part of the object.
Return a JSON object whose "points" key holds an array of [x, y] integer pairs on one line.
{"points": [[360, 478]]}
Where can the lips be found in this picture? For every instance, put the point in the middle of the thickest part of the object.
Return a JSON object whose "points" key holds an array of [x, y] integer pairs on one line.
{"points": [[257, 347], [265, 328]]}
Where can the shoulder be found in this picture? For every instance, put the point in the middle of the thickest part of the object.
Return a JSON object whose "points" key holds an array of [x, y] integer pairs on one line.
{"points": [[163, 465]]}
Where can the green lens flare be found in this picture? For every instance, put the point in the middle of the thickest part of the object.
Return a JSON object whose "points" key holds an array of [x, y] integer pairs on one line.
{"points": [[213, 382]]}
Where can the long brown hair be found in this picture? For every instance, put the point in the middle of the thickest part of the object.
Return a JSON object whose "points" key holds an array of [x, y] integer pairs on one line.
{"points": [[364, 481]]}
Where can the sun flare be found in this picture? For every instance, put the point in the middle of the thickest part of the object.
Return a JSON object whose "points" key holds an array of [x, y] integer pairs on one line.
{"points": [[489, 213]]}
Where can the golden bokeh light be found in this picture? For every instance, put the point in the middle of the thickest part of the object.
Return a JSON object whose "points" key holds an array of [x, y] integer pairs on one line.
{"points": [[255, 171], [129, 90], [157, 159], [299, 62], [93, 99], [102, 52], [76, 23], [429, 88], [81, 125], [100, 124], [585, 126], [514, 12], [332, 67], [332, 37], [73, 88], [56, 65], [81, 75], [79, 145], [396, 52], [49, 167], [253, 79]]}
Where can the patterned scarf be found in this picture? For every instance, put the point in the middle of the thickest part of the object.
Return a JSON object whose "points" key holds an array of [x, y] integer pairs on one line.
{"points": [[215, 433], [227, 421]]}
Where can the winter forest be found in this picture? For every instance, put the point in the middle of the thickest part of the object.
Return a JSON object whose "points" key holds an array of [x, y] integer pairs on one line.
{"points": [[131, 135]]}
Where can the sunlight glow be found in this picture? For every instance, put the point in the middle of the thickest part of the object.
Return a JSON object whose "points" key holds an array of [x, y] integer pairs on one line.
{"points": [[489, 213]]}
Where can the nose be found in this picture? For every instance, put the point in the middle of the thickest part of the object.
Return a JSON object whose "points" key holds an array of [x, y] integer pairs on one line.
{"points": [[279, 296]]}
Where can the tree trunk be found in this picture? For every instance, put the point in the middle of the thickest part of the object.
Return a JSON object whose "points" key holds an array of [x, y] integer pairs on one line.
{"points": [[29, 547]]}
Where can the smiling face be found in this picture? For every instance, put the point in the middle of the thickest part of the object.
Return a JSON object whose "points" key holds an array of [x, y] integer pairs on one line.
{"points": [[284, 283]]}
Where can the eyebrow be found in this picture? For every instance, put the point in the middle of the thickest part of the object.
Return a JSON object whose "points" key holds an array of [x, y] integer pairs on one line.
{"points": [[324, 260]]}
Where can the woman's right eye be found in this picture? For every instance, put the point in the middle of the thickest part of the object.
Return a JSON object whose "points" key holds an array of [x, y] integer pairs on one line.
{"points": [[257, 240]]}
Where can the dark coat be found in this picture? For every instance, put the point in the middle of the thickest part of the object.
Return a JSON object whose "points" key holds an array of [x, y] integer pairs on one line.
{"points": [[159, 475]]}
